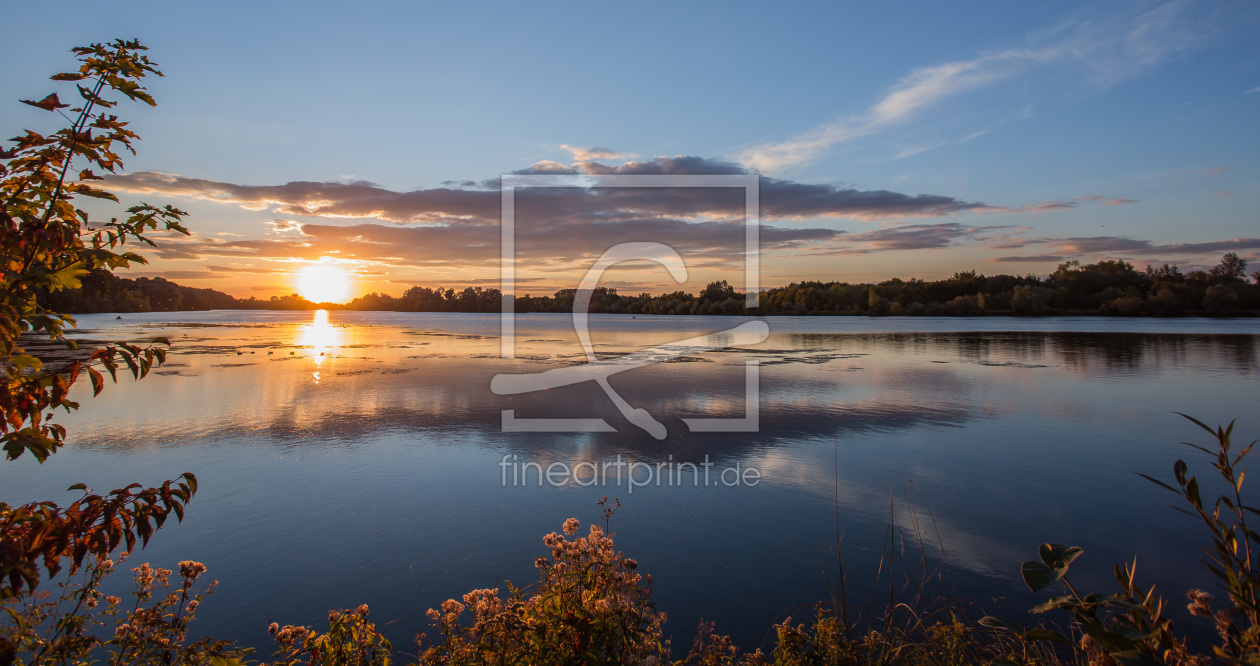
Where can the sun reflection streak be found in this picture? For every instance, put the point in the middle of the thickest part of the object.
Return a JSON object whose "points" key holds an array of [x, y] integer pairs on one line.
{"points": [[317, 338]]}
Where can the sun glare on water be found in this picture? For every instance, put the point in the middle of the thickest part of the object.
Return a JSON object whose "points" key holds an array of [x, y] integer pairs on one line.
{"points": [[321, 283]]}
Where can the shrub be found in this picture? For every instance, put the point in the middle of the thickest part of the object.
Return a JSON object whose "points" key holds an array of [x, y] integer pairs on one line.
{"points": [[589, 606]]}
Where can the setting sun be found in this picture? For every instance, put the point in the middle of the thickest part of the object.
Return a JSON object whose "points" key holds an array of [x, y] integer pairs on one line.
{"points": [[321, 283]]}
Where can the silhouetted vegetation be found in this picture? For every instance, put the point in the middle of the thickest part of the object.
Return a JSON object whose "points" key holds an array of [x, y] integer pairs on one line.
{"points": [[1113, 288], [102, 291]]}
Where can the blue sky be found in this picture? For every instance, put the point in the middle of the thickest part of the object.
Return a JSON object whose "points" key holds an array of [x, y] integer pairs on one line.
{"points": [[1045, 131]]}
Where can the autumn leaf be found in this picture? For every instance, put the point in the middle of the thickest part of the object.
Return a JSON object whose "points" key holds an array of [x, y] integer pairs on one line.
{"points": [[49, 103]]}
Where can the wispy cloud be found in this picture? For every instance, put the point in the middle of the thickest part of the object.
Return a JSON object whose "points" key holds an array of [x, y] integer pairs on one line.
{"points": [[586, 154], [923, 148], [1111, 49], [1086, 247], [1031, 259], [1118, 201]]}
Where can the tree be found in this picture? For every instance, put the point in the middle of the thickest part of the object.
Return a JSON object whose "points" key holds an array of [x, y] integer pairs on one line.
{"points": [[47, 244], [1231, 269], [1219, 299], [716, 292]]}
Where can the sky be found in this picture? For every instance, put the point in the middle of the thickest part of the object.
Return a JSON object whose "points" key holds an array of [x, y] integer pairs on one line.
{"points": [[895, 139]]}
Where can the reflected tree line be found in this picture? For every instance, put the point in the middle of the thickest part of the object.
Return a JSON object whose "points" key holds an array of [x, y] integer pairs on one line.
{"points": [[1111, 287]]}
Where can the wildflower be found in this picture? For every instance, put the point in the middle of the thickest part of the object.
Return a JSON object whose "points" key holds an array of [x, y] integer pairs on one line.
{"points": [[107, 565], [629, 564], [451, 606], [1223, 622], [190, 570], [144, 575], [113, 601], [274, 628], [571, 526], [362, 610], [192, 605], [1200, 603]]}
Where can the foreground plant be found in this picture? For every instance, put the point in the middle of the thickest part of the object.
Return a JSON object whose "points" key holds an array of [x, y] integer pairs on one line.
{"points": [[1130, 626], [351, 641], [46, 245], [589, 606], [81, 624]]}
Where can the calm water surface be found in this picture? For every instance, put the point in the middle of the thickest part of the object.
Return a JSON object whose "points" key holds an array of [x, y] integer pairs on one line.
{"points": [[357, 458]]}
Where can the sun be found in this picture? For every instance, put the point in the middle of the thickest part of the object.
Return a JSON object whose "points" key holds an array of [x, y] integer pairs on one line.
{"points": [[322, 283]]}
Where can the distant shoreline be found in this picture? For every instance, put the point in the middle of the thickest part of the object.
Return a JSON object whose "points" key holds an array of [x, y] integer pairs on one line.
{"points": [[341, 307], [1107, 288]]}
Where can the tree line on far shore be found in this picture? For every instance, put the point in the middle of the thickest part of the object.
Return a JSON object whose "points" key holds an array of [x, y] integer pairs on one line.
{"points": [[1104, 288]]}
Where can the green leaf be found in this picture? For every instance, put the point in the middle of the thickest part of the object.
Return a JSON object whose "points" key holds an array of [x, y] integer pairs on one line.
{"points": [[23, 362], [1156, 481], [1197, 422], [1038, 576], [993, 622], [1110, 641], [68, 277], [1054, 603], [1058, 556]]}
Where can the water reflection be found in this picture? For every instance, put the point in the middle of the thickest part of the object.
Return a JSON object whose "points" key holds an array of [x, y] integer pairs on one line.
{"points": [[317, 338], [383, 427]]}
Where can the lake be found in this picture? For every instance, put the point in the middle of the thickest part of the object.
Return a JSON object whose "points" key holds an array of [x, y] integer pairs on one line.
{"points": [[359, 457]]}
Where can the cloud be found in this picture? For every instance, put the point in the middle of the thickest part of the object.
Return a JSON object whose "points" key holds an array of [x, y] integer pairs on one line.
{"points": [[558, 229], [1203, 248], [1120, 246], [554, 243], [588, 154], [245, 269], [915, 150], [1110, 50], [1106, 201], [281, 226], [1037, 258], [1253, 90], [902, 237], [923, 88], [453, 207], [182, 275], [914, 236]]}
